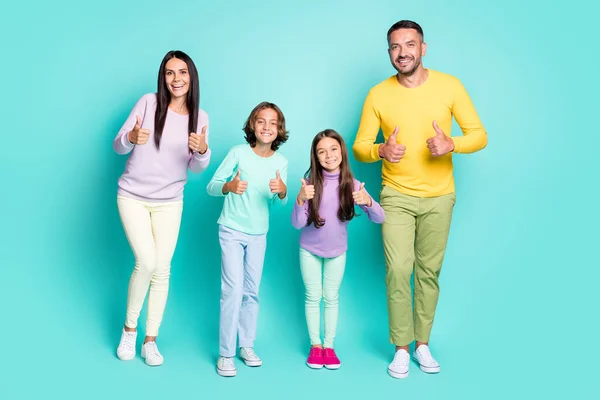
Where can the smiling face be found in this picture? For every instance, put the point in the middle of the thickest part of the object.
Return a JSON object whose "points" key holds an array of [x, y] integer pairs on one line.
{"points": [[265, 126], [406, 48], [177, 78], [329, 154]]}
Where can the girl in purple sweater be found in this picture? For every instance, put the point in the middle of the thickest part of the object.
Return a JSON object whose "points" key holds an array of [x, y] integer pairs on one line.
{"points": [[165, 135], [322, 210]]}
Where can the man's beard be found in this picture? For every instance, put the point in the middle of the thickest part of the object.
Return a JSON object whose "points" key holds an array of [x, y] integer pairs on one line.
{"points": [[410, 72]]}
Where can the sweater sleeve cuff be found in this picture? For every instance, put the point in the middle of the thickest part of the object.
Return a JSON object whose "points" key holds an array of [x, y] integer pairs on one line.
{"points": [[125, 141], [457, 144], [282, 201], [298, 207], [370, 208], [201, 157], [375, 152]]}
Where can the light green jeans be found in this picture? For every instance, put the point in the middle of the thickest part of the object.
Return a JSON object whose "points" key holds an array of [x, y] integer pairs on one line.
{"points": [[322, 279]]}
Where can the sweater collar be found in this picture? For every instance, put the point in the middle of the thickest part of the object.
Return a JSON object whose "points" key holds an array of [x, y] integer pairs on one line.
{"points": [[330, 175]]}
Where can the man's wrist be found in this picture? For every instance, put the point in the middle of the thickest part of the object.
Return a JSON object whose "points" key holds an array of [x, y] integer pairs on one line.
{"points": [[380, 150]]}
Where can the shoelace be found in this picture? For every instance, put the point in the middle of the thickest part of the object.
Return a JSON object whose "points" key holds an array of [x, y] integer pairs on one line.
{"points": [[315, 351], [425, 354], [129, 342], [401, 358], [227, 362], [152, 349], [250, 353]]}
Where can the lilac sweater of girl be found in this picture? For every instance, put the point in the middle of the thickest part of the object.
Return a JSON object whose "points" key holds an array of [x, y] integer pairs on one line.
{"points": [[155, 175], [330, 240]]}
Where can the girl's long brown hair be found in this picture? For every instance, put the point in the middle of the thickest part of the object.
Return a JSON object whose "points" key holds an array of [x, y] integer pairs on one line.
{"points": [[314, 176]]}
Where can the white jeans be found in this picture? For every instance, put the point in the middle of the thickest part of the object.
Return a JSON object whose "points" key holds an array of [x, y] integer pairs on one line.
{"points": [[152, 230]]}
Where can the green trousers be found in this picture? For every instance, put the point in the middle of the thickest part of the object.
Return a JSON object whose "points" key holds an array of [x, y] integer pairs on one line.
{"points": [[415, 233], [322, 279]]}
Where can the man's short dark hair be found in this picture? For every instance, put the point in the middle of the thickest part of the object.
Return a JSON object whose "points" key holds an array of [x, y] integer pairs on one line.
{"points": [[405, 24]]}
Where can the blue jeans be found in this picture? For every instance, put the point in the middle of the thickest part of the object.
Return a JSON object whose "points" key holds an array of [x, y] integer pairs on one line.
{"points": [[242, 259]]}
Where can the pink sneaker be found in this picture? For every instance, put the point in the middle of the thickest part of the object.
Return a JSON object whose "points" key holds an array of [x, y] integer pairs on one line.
{"points": [[330, 360], [315, 358]]}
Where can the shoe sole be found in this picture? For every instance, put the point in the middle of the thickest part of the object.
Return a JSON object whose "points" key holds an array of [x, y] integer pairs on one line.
{"points": [[332, 366], [428, 370], [128, 358], [226, 373], [315, 366], [252, 363], [152, 364], [397, 375]]}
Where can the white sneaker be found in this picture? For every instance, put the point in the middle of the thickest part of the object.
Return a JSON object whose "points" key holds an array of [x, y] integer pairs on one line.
{"points": [[399, 366], [126, 349], [151, 354], [250, 357], [423, 356], [226, 367]]}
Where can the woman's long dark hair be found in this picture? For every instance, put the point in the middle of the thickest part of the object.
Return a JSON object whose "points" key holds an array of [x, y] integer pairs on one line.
{"points": [[314, 176], [164, 96]]}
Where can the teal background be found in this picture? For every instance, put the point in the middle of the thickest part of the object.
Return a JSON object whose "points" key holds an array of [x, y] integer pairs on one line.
{"points": [[518, 309]]}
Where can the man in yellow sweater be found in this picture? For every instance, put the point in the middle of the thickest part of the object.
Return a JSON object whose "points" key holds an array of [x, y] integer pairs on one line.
{"points": [[414, 110]]}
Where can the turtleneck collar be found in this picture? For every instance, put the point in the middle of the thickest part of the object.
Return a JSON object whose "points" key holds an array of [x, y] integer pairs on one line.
{"points": [[331, 175]]}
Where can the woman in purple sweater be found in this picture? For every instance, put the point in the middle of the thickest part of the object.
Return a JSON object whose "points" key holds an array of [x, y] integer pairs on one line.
{"points": [[322, 210], [160, 136]]}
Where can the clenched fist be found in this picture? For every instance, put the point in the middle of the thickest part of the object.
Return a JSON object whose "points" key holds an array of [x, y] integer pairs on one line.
{"points": [[236, 185], [138, 135], [307, 192], [198, 142], [361, 197], [277, 186]]}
